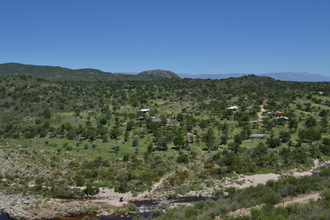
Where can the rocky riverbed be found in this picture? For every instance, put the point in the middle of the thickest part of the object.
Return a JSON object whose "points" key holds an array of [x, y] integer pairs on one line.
{"points": [[20, 206], [24, 207]]}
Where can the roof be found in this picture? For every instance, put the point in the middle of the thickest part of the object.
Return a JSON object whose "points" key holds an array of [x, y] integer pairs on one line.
{"points": [[145, 110], [232, 107], [286, 118], [258, 135], [155, 119]]}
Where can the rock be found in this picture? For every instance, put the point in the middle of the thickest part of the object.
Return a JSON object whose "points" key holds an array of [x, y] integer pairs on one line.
{"points": [[30, 208]]}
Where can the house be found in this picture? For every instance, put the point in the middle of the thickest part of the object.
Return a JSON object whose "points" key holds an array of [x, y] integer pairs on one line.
{"points": [[276, 113], [257, 136], [233, 108], [144, 110], [155, 119], [281, 120], [282, 117], [170, 121]]}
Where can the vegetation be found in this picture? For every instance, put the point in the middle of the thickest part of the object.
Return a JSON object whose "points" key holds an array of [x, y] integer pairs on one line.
{"points": [[56, 136], [270, 194]]}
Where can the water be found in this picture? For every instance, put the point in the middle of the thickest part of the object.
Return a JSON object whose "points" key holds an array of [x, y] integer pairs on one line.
{"points": [[145, 208], [3, 216]]}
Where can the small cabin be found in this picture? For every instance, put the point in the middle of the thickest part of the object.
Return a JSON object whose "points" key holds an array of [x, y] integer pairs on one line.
{"points": [[144, 110], [155, 119], [257, 136], [170, 121], [276, 113], [233, 108]]}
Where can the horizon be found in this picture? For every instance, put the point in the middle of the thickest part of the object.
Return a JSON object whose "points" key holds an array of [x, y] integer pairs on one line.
{"points": [[195, 74], [199, 37]]}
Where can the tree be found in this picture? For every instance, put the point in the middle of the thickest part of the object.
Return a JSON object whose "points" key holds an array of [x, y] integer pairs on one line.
{"points": [[94, 144], [209, 138], [150, 146], [46, 113], [91, 190], [225, 128], [285, 136], [162, 142], [129, 125], [273, 142], [135, 141], [309, 134], [293, 124], [182, 159], [310, 122], [238, 139], [179, 141], [78, 143], [234, 147], [260, 150], [116, 147], [223, 139]]}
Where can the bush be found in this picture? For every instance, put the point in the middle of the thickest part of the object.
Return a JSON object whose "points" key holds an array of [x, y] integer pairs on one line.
{"points": [[271, 198], [182, 159], [326, 194], [91, 190]]}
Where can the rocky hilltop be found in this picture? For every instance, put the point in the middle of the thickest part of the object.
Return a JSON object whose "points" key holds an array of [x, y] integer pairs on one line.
{"points": [[157, 74], [57, 73]]}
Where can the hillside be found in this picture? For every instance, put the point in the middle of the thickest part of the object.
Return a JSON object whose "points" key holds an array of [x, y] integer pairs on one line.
{"points": [[65, 74], [159, 74], [69, 139], [283, 76]]}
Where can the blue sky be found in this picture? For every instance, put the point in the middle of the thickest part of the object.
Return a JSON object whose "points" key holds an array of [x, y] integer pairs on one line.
{"points": [[185, 36]]}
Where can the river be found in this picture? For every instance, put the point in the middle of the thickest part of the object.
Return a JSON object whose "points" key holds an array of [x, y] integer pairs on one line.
{"points": [[3, 216], [145, 207]]}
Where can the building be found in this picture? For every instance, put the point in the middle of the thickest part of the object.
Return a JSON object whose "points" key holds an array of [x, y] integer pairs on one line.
{"points": [[276, 113], [144, 110], [233, 108]]}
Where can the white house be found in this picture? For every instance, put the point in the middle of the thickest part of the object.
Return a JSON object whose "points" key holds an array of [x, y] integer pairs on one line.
{"points": [[233, 108], [144, 110]]}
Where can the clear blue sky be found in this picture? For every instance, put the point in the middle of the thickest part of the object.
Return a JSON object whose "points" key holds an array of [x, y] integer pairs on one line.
{"points": [[185, 36]]}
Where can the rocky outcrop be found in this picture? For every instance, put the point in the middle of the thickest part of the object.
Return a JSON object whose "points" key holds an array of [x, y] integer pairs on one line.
{"points": [[53, 210], [24, 207], [15, 201], [158, 74]]}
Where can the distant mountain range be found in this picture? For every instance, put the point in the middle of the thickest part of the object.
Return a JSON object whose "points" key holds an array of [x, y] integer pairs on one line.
{"points": [[284, 76], [63, 74]]}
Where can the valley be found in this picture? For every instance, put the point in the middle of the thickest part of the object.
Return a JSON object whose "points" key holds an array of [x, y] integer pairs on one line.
{"points": [[94, 142]]}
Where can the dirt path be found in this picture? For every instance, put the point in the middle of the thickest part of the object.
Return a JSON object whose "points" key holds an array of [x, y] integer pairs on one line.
{"points": [[111, 198], [262, 110], [259, 114], [245, 181], [299, 199], [154, 187]]}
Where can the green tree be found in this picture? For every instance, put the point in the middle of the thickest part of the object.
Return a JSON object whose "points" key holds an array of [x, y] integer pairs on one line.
{"points": [[150, 146], [91, 189], [209, 138], [285, 136], [94, 144], [179, 141], [135, 141]]}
